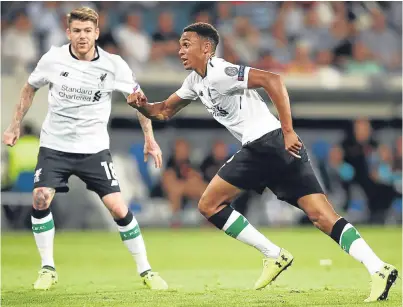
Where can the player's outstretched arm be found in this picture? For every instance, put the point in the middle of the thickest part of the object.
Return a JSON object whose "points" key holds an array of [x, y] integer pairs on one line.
{"points": [[161, 111], [151, 147], [275, 88], [12, 133]]}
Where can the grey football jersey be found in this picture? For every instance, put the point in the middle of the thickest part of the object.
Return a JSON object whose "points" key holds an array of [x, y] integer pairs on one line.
{"points": [[80, 95]]}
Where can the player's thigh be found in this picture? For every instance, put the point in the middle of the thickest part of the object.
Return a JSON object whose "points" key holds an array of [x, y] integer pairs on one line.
{"points": [[296, 181], [98, 173], [244, 170], [53, 170]]}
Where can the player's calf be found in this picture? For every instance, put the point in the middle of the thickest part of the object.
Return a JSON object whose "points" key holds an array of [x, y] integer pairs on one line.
{"points": [[131, 236]]}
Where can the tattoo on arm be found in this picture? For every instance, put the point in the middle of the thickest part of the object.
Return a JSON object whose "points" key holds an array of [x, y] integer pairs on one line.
{"points": [[27, 96], [145, 124]]}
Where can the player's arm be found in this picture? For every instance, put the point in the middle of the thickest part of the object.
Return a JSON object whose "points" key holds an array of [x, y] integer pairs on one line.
{"points": [[12, 133], [37, 79], [160, 111], [275, 88]]}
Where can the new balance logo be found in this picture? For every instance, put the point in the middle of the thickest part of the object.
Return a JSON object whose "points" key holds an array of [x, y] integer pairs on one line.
{"points": [[114, 183], [64, 73], [97, 96]]}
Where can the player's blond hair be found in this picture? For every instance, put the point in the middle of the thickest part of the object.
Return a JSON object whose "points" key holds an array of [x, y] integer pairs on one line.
{"points": [[83, 14]]}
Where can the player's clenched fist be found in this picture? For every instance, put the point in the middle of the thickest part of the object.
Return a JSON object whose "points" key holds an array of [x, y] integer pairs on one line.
{"points": [[137, 100], [11, 136]]}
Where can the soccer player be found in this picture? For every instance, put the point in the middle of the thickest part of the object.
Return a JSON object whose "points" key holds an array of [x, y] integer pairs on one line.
{"points": [[74, 138], [272, 155]]}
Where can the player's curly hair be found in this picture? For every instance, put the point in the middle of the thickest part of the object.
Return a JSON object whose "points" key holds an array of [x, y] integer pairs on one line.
{"points": [[83, 14], [205, 30]]}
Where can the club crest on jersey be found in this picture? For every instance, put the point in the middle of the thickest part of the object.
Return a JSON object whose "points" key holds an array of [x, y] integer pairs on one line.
{"points": [[102, 79], [231, 71], [37, 175]]}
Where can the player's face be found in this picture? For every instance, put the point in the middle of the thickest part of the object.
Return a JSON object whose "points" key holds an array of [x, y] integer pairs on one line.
{"points": [[82, 35], [193, 50]]}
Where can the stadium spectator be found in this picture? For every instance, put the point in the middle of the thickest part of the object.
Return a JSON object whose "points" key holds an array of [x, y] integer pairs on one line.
{"points": [[261, 15], [244, 41], [56, 37], [291, 15], [133, 42], [302, 63], [313, 33], [359, 147], [212, 163], [381, 165], [45, 17], [106, 39], [397, 159], [277, 43], [224, 17], [382, 42], [268, 62], [165, 38], [341, 174], [181, 181], [203, 16], [18, 44], [361, 62]]}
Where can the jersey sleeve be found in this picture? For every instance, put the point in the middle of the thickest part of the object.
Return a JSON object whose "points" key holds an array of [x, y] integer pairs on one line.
{"points": [[230, 77], [40, 76], [125, 80], [187, 92]]}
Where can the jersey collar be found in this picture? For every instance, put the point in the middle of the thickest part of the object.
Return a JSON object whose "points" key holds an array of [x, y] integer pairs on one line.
{"points": [[94, 59], [209, 64]]}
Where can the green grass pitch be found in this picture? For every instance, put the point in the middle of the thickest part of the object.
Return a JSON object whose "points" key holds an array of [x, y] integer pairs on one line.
{"points": [[203, 267]]}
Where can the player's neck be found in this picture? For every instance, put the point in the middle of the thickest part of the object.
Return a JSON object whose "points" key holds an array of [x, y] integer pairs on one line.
{"points": [[202, 70], [89, 56]]}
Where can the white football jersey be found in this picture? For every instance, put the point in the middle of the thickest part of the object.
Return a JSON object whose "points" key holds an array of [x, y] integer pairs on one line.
{"points": [[224, 92], [80, 95]]}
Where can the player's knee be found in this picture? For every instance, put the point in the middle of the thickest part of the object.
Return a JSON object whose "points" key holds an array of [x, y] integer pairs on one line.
{"points": [[42, 198], [206, 206], [322, 220], [118, 211]]}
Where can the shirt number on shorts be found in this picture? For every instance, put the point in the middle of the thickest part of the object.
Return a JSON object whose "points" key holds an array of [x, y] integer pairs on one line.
{"points": [[109, 169]]}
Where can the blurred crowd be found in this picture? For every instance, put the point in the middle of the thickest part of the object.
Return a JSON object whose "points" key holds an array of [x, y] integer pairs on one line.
{"points": [[362, 160], [359, 161], [292, 37]]}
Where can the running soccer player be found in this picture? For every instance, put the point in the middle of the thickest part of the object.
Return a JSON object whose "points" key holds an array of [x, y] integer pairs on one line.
{"points": [[272, 155], [74, 138]]}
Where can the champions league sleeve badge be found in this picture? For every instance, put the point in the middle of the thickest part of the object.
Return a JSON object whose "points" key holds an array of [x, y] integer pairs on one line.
{"points": [[231, 71]]}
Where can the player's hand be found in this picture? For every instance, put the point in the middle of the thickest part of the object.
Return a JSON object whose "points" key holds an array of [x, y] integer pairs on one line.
{"points": [[292, 143], [152, 148], [11, 136], [137, 100]]}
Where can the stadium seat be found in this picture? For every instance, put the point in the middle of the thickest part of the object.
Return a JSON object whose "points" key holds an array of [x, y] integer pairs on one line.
{"points": [[24, 182], [320, 150], [136, 150], [397, 205]]}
